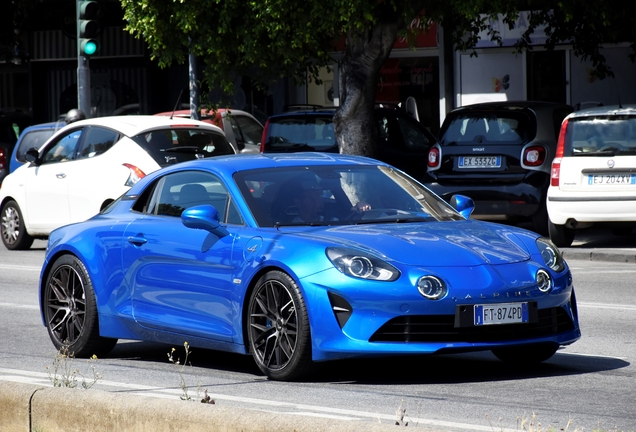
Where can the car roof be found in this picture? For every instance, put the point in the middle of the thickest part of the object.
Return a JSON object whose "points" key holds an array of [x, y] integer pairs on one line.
{"points": [[43, 126], [629, 109], [230, 164], [510, 105], [185, 113], [131, 125]]}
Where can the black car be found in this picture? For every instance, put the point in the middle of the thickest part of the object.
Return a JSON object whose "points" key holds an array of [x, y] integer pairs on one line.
{"points": [[499, 154], [12, 122], [402, 141]]}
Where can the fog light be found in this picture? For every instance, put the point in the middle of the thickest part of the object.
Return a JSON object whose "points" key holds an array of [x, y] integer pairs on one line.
{"points": [[431, 287], [544, 281]]}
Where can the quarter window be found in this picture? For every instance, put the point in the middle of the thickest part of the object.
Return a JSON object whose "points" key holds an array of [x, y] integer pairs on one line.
{"points": [[97, 141]]}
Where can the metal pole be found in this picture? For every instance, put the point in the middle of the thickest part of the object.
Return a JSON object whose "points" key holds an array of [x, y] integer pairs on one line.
{"points": [[195, 108], [83, 74]]}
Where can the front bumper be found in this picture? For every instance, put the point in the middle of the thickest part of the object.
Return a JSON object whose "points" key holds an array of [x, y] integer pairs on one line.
{"points": [[394, 319]]}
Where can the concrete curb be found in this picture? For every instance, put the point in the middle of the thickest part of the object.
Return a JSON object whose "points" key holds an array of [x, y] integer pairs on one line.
{"points": [[611, 255], [28, 407]]}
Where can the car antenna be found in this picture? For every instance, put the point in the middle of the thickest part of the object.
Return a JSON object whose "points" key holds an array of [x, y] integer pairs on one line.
{"points": [[177, 104]]}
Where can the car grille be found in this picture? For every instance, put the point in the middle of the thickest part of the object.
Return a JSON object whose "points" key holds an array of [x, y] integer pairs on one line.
{"points": [[440, 328]]}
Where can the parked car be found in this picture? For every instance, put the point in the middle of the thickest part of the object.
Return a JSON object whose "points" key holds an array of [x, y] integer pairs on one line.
{"points": [[499, 154], [241, 128], [594, 173], [32, 137], [212, 252], [402, 141], [12, 123], [88, 164]]}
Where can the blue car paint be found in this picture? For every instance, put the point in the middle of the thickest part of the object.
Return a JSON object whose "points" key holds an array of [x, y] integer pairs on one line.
{"points": [[480, 261]]}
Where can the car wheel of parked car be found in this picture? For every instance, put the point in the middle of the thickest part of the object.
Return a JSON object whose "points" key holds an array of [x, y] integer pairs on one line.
{"points": [[70, 311], [14, 235], [561, 235], [278, 329], [526, 354]]}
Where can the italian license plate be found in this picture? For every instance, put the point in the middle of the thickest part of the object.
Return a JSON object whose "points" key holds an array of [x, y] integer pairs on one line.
{"points": [[479, 162], [611, 179], [501, 313]]}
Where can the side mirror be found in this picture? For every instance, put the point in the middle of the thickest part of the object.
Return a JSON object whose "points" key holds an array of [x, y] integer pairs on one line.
{"points": [[463, 204], [204, 217], [32, 155]]}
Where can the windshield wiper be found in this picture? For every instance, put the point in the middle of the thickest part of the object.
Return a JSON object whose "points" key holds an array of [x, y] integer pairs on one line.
{"points": [[288, 224], [398, 220]]}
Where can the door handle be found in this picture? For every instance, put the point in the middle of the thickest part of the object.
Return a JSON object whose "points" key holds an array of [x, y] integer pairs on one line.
{"points": [[137, 241], [60, 175]]}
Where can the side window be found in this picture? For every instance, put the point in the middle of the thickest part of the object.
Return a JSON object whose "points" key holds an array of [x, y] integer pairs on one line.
{"points": [[64, 149], [97, 141], [174, 193], [251, 129], [414, 138]]}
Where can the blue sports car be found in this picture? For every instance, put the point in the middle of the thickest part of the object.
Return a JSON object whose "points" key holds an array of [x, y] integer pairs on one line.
{"points": [[300, 258]]}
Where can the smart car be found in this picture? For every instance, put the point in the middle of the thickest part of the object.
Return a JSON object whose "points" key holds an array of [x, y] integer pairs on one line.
{"points": [[212, 252]]}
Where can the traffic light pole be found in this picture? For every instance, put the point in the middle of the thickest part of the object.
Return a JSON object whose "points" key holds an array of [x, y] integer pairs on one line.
{"points": [[83, 67]]}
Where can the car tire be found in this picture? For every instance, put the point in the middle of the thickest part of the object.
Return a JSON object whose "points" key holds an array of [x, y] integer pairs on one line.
{"points": [[70, 310], [13, 232], [278, 328], [526, 354], [561, 235]]}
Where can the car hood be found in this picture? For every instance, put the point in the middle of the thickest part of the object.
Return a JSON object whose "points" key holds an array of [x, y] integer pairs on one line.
{"points": [[443, 244]]}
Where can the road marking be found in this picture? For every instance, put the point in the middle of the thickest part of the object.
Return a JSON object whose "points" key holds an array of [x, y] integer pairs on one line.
{"points": [[20, 267], [19, 306], [607, 306], [39, 378]]}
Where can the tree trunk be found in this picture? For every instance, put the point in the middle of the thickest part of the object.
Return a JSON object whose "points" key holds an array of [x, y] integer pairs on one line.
{"points": [[365, 54]]}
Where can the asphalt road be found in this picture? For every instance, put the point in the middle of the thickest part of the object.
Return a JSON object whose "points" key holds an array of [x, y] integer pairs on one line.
{"points": [[590, 382]]}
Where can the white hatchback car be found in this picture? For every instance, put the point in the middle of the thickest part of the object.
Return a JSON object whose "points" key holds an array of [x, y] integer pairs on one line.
{"points": [[593, 180], [86, 165]]}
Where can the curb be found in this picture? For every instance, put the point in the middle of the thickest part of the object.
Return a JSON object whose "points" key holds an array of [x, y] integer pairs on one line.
{"points": [[29, 407], [609, 255]]}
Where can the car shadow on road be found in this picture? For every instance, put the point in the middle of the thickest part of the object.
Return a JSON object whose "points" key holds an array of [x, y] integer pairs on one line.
{"points": [[431, 369], [462, 368]]}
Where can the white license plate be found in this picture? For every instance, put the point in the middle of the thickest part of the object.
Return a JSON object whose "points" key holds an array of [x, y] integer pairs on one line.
{"points": [[501, 313], [479, 162], [611, 179]]}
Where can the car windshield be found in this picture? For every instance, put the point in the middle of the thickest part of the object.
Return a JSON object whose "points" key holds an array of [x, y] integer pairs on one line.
{"points": [[307, 133], [170, 146], [320, 195], [486, 128], [601, 136]]}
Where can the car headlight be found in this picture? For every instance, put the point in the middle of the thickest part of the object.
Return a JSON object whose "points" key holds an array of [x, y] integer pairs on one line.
{"points": [[361, 265], [551, 254]]}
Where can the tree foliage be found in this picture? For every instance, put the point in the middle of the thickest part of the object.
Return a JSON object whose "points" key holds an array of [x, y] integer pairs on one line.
{"points": [[270, 39]]}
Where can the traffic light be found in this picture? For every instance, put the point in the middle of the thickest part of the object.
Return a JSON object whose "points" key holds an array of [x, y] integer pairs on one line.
{"points": [[87, 27]]}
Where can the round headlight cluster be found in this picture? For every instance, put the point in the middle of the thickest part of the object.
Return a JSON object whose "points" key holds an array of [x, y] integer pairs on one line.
{"points": [[359, 266], [431, 287], [544, 281]]}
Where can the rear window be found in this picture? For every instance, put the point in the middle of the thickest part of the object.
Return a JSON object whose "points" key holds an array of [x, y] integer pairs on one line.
{"points": [[487, 128], [593, 136], [311, 133], [170, 146], [33, 139]]}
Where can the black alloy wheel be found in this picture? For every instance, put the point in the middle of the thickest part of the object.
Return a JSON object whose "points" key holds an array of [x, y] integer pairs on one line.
{"points": [[70, 312], [14, 235], [278, 328]]}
